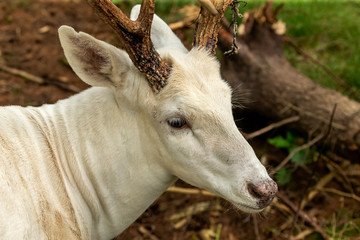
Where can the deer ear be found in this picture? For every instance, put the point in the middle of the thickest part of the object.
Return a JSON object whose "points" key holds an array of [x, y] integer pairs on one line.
{"points": [[95, 62], [161, 34]]}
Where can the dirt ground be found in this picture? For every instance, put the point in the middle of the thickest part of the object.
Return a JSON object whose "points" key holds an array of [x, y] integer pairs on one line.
{"points": [[29, 42]]}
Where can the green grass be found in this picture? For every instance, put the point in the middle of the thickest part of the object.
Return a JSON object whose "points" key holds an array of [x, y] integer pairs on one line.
{"points": [[328, 30], [343, 226], [166, 9]]}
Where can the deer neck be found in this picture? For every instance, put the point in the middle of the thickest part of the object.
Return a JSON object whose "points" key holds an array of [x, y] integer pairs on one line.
{"points": [[110, 161]]}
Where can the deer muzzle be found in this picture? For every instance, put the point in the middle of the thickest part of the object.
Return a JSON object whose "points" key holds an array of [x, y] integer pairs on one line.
{"points": [[264, 192]]}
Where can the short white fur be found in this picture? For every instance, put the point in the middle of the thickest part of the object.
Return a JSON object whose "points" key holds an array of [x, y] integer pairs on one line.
{"points": [[88, 166]]}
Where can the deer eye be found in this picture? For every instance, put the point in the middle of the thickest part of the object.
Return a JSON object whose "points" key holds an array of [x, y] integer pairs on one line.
{"points": [[177, 122]]}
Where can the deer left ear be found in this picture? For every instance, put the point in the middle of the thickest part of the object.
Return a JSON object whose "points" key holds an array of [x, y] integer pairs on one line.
{"points": [[95, 62]]}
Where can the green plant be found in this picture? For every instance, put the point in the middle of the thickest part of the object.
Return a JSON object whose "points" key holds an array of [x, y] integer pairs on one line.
{"points": [[283, 176], [290, 142], [116, 1], [343, 226], [218, 232]]}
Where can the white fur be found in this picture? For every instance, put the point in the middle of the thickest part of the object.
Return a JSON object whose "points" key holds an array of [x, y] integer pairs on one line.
{"points": [[88, 166]]}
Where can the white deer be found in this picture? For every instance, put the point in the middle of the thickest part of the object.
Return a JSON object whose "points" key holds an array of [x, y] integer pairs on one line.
{"points": [[88, 166]]}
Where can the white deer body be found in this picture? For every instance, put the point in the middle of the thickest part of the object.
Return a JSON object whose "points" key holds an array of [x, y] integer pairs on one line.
{"points": [[79, 165], [88, 166]]}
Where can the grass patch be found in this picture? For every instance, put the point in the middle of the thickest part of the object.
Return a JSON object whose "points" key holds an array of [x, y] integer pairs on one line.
{"points": [[343, 226], [328, 30], [166, 9]]}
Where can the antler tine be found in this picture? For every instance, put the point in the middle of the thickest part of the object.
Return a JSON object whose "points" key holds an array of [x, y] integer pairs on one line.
{"points": [[207, 25], [135, 38]]}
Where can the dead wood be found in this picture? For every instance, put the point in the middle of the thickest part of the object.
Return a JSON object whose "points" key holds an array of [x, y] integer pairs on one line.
{"points": [[271, 127], [302, 214], [36, 79], [295, 151], [278, 91], [256, 227]]}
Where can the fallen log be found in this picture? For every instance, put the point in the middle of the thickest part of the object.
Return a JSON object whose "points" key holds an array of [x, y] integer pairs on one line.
{"points": [[278, 91]]}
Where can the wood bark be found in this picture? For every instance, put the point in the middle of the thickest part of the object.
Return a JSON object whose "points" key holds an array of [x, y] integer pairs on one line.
{"points": [[278, 91]]}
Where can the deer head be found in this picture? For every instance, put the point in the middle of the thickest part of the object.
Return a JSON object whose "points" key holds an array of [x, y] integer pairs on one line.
{"points": [[185, 104]]}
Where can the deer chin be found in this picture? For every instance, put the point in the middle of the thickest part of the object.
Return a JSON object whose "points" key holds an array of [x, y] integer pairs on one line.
{"points": [[241, 202], [251, 204], [244, 201], [247, 208]]}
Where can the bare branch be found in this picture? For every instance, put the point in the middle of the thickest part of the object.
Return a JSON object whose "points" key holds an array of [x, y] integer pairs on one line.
{"points": [[340, 193], [36, 79], [271, 127], [298, 149], [302, 214]]}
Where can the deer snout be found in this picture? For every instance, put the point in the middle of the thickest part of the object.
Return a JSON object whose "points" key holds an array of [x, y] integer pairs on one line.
{"points": [[264, 192]]}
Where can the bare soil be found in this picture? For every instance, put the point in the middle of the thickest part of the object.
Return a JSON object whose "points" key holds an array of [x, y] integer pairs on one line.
{"points": [[29, 42]]}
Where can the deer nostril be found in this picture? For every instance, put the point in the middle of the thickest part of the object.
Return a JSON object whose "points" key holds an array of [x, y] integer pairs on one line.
{"points": [[264, 191], [254, 191]]}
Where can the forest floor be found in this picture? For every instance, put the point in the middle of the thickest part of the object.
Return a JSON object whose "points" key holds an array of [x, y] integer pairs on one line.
{"points": [[29, 43]]}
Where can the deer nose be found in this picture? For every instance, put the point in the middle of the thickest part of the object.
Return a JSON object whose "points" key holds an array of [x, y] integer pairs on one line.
{"points": [[264, 192]]}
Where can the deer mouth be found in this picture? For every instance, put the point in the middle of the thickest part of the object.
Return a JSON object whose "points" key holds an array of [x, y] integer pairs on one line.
{"points": [[249, 209], [260, 206]]}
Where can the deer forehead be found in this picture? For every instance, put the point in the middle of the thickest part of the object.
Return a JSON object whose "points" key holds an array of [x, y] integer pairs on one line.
{"points": [[195, 80], [196, 91]]}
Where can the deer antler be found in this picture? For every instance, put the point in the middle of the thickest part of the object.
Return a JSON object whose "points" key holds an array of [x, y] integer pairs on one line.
{"points": [[135, 38], [207, 25]]}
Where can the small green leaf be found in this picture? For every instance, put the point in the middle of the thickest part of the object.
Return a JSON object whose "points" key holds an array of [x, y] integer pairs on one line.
{"points": [[291, 137], [279, 142], [298, 158], [303, 157], [218, 232], [116, 1], [283, 176]]}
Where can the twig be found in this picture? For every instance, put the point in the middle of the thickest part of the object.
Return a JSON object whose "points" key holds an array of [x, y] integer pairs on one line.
{"points": [[191, 14], [147, 233], [256, 227], [320, 184], [37, 79], [281, 207], [338, 192], [298, 149], [190, 191], [302, 214], [298, 212], [341, 82], [271, 127], [22, 74], [332, 165], [67, 87], [196, 209], [303, 234], [312, 115]]}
